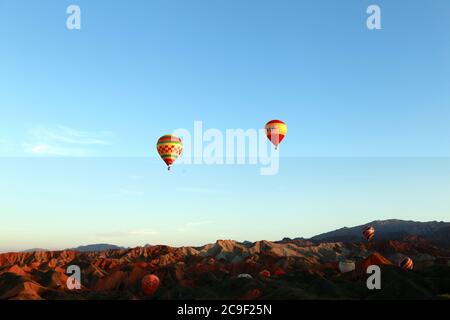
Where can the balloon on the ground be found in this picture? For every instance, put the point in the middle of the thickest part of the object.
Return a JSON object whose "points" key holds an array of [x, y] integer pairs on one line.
{"points": [[150, 284], [279, 272], [265, 273], [245, 275], [169, 148], [346, 266], [406, 264], [369, 233], [276, 131], [252, 294]]}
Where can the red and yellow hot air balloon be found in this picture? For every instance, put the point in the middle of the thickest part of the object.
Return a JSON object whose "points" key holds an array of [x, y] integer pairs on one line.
{"points": [[276, 131], [406, 264], [169, 148], [150, 284], [369, 233]]}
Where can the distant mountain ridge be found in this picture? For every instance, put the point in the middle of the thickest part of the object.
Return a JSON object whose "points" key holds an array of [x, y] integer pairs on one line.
{"points": [[35, 250], [97, 247], [391, 229]]}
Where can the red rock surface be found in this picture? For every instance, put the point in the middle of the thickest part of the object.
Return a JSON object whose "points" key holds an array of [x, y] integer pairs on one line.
{"points": [[119, 273], [374, 259]]}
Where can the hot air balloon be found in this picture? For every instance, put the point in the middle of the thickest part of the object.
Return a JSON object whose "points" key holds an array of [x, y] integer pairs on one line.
{"points": [[245, 275], [279, 272], [369, 233], [346, 266], [265, 273], [276, 131], [169, 148], [252, 294], [150, 284], [406, 264]]}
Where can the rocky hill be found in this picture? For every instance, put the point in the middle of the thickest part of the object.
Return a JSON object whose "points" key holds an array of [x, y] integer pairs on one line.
{"points": [[393, 229], [226, 269]]}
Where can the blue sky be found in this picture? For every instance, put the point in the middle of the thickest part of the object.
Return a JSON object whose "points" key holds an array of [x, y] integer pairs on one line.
{"points": [[80, 112]]}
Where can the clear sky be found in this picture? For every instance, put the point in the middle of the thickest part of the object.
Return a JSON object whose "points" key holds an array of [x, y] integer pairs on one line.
{"points": [[368, 113]]}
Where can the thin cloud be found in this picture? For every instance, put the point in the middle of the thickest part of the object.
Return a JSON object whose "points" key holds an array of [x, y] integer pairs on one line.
{"points": [[62, 134], [65, 141], [189, 226], [48, 150]]}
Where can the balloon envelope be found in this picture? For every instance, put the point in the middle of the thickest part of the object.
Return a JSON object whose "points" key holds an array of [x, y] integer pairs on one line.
{"points": [[279, 272], [265, 273], [406, 264], [150, 284], [252, 294], [169, 148], [369, 233], [276, 131], [346, 266]]}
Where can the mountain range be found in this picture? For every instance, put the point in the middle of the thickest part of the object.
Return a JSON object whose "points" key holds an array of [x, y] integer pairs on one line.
{"points": [[393, 229], [286, 269], [97, 247]]}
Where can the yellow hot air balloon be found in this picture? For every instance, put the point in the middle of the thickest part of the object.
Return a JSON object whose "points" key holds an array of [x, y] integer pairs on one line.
{"points": [[276, 131], [169, 148]]}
